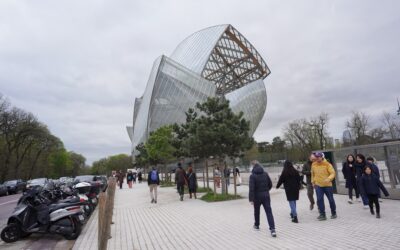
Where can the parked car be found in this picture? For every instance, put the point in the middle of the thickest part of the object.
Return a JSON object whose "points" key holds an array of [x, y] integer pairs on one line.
{"points": [[3, 190], [14, 186], [104, 182], [96, 184], [35, 183]]}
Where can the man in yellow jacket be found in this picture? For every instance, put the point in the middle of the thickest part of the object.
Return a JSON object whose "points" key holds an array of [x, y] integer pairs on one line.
{"points": [[322, 175]]}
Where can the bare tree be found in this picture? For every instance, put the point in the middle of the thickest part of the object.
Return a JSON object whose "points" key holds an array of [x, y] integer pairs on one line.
{"points": [[391, 125], [358, 126]]}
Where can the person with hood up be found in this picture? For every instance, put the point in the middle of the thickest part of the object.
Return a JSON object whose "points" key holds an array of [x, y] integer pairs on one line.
{"points": [[290, 178], [259, 185]]}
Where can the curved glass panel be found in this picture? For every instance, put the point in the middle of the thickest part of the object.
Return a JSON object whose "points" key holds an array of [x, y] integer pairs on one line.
{"points": [[251, 100]]}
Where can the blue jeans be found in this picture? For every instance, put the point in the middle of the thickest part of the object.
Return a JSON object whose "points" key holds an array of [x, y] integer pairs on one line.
{"points": [[266, 202], [292, 205], [328, 191]]}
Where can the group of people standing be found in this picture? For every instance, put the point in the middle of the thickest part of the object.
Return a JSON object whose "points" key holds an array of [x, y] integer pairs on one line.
{"points": [[361, 174]]}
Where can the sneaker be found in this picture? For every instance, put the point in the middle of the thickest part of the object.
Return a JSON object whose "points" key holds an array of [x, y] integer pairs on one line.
{"points": [[152, 200], [295, 220], [372, 212], [333, 216], [256, 227], [378, 216], [366, 207], [181, 197], [311, 206], [273, 233], [155, 201], [321, 217], [350, 201]]}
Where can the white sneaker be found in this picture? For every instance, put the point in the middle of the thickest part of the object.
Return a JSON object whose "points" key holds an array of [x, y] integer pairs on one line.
{"points": [[350, 201], [366, 206]]}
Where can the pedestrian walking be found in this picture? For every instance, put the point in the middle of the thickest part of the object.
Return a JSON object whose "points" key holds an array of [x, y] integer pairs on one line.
{"points": [[307, 172], [360, 165], [259, 185], [349, 173], [370, 185], [181, 180], [192, 182], [290, 178], [238, 178], [129, 178], [153, 181], [120, 178], [140, 178], [217, 177], [227, 175], [374, 167], [134, 176], [322, 175]]}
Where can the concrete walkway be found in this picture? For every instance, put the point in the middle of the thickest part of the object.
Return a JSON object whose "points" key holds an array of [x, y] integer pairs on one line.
{"points": [[195, 224]]}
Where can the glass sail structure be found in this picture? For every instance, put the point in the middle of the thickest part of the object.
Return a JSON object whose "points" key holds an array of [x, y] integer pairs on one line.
{"points": [[216, 61]]}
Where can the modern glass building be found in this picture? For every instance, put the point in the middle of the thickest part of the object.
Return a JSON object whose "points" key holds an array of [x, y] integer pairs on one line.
{"points": [[216, 61]]}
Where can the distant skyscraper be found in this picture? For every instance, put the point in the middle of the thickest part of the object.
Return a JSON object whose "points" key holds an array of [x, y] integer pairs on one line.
{"points": [[216, 61]]}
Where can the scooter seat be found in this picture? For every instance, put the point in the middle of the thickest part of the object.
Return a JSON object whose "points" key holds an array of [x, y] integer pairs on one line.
{"points": [[54, 207], [70, 200]]}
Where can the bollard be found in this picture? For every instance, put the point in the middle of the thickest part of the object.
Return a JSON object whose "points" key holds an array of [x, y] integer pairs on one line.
{"points": [[106, 207]]}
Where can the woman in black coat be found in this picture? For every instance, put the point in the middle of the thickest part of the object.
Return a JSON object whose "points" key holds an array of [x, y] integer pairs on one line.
{"points": [[349, 173], [291, 181], [192, 182]]}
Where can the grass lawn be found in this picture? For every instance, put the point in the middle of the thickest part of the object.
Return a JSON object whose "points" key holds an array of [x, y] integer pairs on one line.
{"points": [[211, 197]]}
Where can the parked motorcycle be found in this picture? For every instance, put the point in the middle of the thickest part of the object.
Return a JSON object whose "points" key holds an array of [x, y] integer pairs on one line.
{"points": [[35, 213]]}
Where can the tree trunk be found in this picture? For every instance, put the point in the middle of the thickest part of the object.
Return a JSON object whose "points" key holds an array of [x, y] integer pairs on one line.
{"points": [[208, 181], [223, 180]]}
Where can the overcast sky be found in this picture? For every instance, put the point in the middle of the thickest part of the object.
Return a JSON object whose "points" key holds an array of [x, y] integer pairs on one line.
{"points": [[78, 65]]}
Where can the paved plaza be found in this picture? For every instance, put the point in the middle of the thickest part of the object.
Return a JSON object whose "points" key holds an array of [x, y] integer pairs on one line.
{"points": [[195, 224]]}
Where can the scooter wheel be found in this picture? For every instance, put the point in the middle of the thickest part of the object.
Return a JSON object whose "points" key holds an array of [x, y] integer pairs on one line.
{"points": [[11, 233], [77, 229]]}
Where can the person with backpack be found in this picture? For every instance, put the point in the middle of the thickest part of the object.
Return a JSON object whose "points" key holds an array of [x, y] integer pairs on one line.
{"points": [[129, 178], [290, 178], [140, 176], [153, 180], [180, 180], [192, 181]]}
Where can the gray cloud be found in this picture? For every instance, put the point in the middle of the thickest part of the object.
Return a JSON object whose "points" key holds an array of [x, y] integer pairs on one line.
{"points": [[78, 65]]}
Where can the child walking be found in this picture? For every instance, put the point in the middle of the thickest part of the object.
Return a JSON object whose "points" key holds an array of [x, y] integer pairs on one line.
{"points": [[370, 185]]}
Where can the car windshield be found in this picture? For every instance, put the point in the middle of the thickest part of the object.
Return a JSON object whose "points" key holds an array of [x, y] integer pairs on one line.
{"points": [[40, 181], [10, 182], [84, 178]]}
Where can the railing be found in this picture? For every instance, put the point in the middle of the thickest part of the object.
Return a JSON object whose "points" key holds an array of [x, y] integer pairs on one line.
{"points": [[106, 207]]}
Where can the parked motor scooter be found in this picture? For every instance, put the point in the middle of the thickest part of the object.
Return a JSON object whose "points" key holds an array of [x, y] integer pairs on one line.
{"points": [[34, 215]]}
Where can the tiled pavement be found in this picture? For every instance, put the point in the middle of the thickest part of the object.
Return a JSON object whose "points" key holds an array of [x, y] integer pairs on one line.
{"points": [[194, 224]]}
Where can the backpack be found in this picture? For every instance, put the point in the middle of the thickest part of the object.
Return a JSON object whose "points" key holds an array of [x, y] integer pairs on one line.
{"points": [[154, 176], [129, 177]]}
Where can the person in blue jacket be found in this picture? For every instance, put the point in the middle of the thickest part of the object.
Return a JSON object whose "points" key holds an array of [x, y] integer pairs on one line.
{"points": [[370, 185]]}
